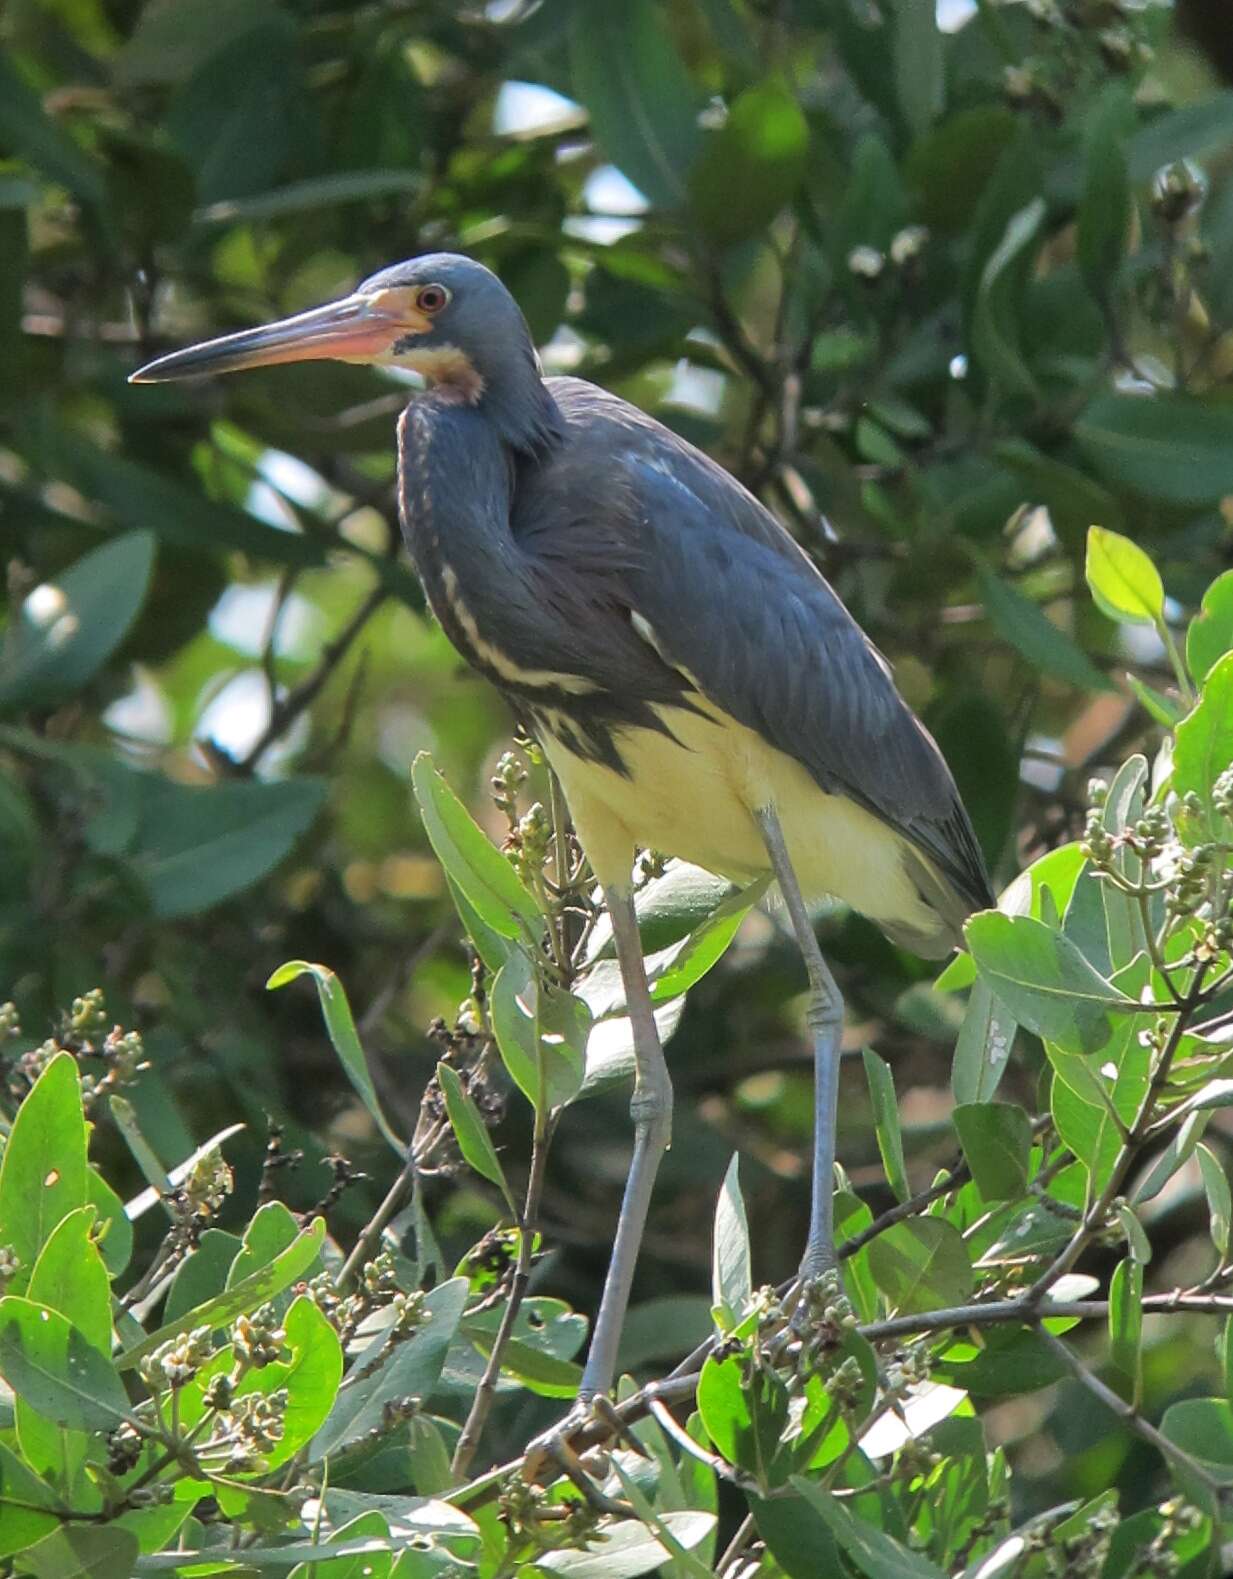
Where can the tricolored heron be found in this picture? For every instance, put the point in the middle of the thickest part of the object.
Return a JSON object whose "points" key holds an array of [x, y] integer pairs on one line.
{"points": [[694, 681]]}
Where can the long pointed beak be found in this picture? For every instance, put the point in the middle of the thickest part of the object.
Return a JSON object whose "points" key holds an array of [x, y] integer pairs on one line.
{"points": [[355, 329]]}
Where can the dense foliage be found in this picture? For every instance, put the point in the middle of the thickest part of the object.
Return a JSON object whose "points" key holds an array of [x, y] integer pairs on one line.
{"points": [[945, 299]]}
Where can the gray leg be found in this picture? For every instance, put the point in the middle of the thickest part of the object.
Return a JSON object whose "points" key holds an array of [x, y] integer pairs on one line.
{"points": [[825, 1018], [651, 1111]]}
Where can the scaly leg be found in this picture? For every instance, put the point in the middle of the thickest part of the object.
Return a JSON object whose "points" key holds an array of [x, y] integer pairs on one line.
{"points": [[651, 1110], [825, 1019]]}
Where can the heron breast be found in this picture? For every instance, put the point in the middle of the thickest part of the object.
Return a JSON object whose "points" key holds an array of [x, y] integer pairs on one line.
{"points": [[691, 790]]}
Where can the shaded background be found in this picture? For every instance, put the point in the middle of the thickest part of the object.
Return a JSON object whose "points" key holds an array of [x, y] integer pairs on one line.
{"points": [[883, 271]]}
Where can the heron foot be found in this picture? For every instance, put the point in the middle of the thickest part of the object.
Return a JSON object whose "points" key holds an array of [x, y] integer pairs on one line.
{"points": [[576, 1448]]}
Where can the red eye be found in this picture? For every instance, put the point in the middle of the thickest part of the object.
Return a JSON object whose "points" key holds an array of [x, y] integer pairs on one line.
{"points": [[432, 298]]}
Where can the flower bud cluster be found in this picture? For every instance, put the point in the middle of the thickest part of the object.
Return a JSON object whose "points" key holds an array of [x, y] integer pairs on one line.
{"points": [[178, 1360], [208, 1184], [258, 1340], [507, 779], [1085, 1555], [529, 842], [907, 248], [1160, 1561]]}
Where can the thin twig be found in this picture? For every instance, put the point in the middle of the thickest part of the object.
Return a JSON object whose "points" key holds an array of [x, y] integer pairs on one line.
{"points": [[1134, 1421], [485, 1393], [300, 697]]}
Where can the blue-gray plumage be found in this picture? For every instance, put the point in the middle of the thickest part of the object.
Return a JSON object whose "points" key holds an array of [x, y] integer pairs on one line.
{"points": [[694, 680]]}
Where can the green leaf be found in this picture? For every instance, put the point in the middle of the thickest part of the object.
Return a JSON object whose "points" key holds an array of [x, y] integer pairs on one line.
{"points": [[982, 1051], [675, 969], [870, 1550], [922, 1264], [1126, 1328], [66, 629], [731, 1274], [471, 1133], [1123, 580], [50, 1363], [1211, 631], [43, 1174], [546, 1375], [22, 1495], [470, 860], [1044, 980], [1167, 447], [919, 66], [83, 1551], [997, 1139], [26, 129], [1105, 207], [492, 948], [539, 1027], [243, 1298], [641, 101], [751, 166], [203, 1273], [627, 1548], [1203, 747], [69, 1277], [1189, 132], [1155, 703], [271, 1230], [1035, 636], [1202, 1427], [1175, 1154], [195, 847], [311, 196], [140, 497], [795, 1536], [310, 1376], [886, 1121], [343, 1036], [115, 1239], [996, 328], [406, 1368], [1219, 1200]]}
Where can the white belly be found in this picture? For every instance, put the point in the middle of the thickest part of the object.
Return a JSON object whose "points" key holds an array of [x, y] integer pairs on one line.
{"points": [[694, 796]]}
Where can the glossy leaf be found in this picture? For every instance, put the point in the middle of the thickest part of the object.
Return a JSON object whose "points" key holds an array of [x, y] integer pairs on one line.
{"points": [[1203, 1428], [1126, 1328], [244, 1297], [627, 1548], [1219, 1199], [985, 1042], [1203, 745], [344, 1037], [886, 1121], [1123, 580], [55, 1368], [480, 871], [921, 1264], [731, 1274], [1044, 980], [1210, 635], [872, 1551], [471, 1132], [1035, 636], [43, 1173], [1105, 207], [23, 1496], [1168, 447], [539, 1028], [66, 630], [996, 1138], [996, 327], [84, 1551], [919, 65], [411, 1368], [638, 94]]}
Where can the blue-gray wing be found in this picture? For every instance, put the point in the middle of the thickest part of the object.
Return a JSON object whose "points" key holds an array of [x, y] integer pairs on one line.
{"points": [[736, 605]]}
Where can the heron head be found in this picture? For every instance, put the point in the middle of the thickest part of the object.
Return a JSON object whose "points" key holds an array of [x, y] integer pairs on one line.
{"points": [[440, 315]]}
